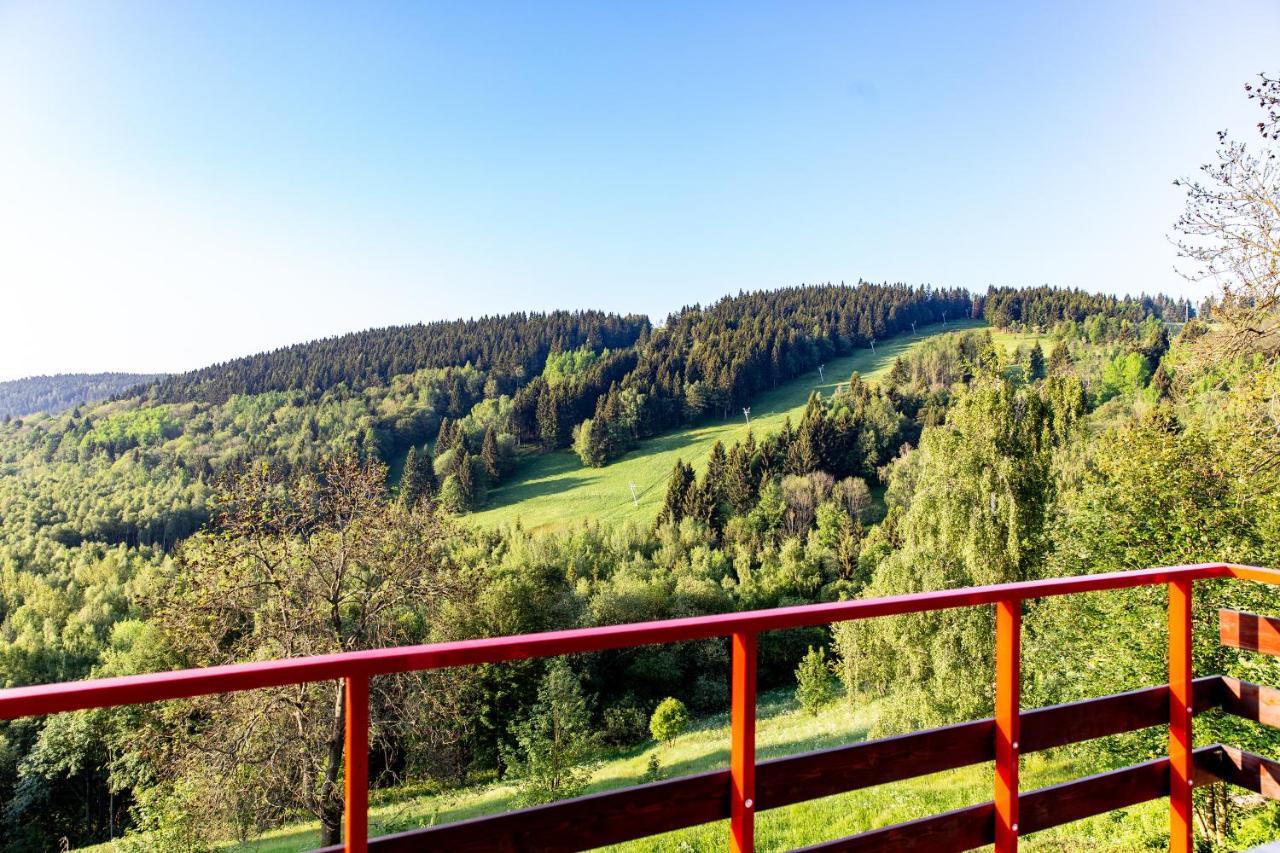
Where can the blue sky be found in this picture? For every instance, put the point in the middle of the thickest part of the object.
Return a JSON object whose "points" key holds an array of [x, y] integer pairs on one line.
{"points": [[185, 182]]}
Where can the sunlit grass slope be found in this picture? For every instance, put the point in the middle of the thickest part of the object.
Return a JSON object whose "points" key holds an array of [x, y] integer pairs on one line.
{"points": [[554, 490]]}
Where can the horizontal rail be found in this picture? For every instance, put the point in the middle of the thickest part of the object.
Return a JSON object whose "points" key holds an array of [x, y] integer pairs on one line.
{"points": [[180, 684], [1249, 771], [1239, 629], [1250, 701], [974, 826], [629, 813]]}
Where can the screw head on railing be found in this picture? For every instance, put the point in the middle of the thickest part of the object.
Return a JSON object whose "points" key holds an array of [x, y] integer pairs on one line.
{"points": [[748, 803], [1014, 827], [1015, 744], [1190, 710]]}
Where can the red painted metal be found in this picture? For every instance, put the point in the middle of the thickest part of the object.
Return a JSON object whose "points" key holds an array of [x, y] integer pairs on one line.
{"points": [[1008, 714], [357, 667], [1181, 710], [356, 816], [181, 684], [742, 750]]}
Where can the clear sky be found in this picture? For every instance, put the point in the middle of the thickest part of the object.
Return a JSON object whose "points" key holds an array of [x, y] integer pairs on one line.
{"points": [[184, 182]]}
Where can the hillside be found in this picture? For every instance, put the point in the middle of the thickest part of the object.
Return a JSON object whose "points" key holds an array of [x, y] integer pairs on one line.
{"points": [[22, 397], [553, 490]]}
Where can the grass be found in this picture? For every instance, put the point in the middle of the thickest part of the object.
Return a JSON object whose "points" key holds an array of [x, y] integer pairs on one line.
{"points": [[782, 729], [554, 490]]}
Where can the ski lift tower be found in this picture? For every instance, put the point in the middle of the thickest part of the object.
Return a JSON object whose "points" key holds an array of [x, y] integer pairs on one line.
{"points": [[746, 413], [822, 377], [635, 499]]}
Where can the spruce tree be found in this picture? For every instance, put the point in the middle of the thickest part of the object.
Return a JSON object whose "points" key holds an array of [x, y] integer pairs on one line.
{"points": [[1060, 359], [417, 479], [715, 481], [1035, 363], [548, 420], [678, 486], [740, 486], [466, 477], [899, 375], [490, 457]]}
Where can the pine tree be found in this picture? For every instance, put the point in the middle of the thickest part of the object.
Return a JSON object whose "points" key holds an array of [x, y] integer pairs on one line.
{"points": [[1060, 359], [451, 497], [444, 436], [418, 479], [810, 450], [1035, 363], [699, 502], [679, 484], [740, 485], [466, 477], [490, 457], [548, 420], [899, 375], [715, 481]]}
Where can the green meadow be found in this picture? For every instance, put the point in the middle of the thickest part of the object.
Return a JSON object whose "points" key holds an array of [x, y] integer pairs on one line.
{"points": [[554, 490]]}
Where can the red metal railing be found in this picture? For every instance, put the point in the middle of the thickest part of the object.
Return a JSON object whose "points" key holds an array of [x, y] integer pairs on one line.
{"points": [[749, 786]]}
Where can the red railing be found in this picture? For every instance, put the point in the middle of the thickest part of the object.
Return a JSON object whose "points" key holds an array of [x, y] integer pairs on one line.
{"points": [[747, 786]]}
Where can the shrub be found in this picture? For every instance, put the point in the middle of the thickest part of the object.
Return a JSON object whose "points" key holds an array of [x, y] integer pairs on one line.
{"points": [[624, 725], [813, 680], [669, 720]]}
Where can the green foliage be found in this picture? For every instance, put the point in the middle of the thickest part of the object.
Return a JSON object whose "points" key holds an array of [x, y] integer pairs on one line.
{"points": [[564, 364], [975, 510], [1126, 374], [589, 442], [652, 770], [813, 680], [669, 720], [553, 751]]}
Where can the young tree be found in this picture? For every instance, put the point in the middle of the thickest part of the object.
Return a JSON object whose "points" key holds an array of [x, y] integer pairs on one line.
{"points": [[813, 681], [669, 720], [554, 749], [1035, 363]]}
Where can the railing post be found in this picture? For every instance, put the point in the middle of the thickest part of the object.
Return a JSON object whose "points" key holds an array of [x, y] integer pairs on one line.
{"points": [[1181, 709], [742, 748], [356, 814], [1008, 702]]}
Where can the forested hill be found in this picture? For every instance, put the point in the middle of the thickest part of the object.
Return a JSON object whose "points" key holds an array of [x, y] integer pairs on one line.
{"points": [[19, 397], [508, 348], [1041, 307]]}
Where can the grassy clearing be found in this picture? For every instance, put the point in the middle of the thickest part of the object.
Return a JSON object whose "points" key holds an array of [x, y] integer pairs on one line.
{"points": [[783, 729], [552, 491]]}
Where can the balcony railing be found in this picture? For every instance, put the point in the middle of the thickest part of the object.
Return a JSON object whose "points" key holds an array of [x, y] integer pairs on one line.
{"points": [[748, 786]]}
